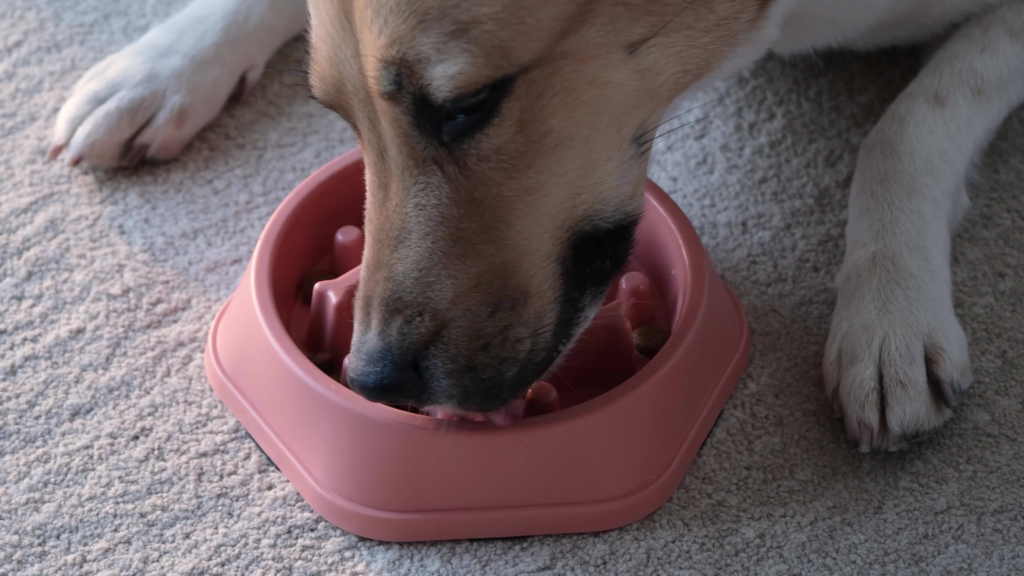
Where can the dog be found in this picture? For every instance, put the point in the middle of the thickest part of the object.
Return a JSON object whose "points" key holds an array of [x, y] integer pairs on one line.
{"points": [[506, 143]]}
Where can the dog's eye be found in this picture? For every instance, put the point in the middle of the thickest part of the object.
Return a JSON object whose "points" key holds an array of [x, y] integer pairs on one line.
{"points": [[469, 104], [465, 115], [459, 118]]}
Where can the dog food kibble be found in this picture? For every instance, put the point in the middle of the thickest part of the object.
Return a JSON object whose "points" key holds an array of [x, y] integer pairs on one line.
{"points": [[648, 340], [327, 363], [307, 282]]}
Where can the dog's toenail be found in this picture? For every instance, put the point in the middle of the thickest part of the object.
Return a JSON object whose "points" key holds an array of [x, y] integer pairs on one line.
{"points": [[895, 444], [837, 404], [135, 155], [864, 432], [921, 436], [950, 396], [54, 151], [241, 87], [943, 389]]}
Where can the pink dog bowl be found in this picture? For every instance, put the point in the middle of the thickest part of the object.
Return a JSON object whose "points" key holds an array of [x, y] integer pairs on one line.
{"points": [[625, 433]]}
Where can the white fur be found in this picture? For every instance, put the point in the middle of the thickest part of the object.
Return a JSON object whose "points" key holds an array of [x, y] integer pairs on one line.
{"points": [[895, 301], [894, 327], [151, 98], [896, 357]]}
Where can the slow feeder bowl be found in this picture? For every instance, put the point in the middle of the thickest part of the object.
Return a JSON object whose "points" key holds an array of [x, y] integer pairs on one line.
{"points": [[625, 433]]}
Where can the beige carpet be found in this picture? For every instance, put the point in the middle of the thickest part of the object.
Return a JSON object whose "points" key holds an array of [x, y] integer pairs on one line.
{"points": [[116, 456]]}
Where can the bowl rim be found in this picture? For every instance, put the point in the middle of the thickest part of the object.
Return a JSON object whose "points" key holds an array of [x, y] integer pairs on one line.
{"points": [[689, 254]]}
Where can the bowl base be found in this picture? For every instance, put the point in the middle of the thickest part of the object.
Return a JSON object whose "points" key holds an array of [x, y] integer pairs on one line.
{"points": [[538, 520], [610, 456]]}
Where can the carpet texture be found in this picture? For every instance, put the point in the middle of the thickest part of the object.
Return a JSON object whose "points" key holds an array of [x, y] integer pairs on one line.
{"points": [[116, 457]]}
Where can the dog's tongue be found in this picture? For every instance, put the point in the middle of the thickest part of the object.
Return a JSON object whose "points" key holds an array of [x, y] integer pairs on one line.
{"points": [[503, 416], [540, 398]]}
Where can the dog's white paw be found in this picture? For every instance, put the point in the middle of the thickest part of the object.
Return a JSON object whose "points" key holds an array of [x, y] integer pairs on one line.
{"points": [[896, 360], [148, 100]]}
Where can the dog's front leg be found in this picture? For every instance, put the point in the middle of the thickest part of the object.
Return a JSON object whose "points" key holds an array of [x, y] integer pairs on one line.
{"points": [[149, 99], [896, 359]]}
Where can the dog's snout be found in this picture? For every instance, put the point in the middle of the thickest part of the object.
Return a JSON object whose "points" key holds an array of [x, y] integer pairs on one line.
{"points": [[387, 377]]}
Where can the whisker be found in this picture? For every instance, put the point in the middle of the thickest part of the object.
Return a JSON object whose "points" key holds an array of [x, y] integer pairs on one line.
{"points": [[565, 381], [634, 300], [681, 114], [537, 331], [659, 136], [543, 331]]}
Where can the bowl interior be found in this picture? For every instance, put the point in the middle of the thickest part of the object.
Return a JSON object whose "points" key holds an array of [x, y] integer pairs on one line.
{"points": [[316, 243]]}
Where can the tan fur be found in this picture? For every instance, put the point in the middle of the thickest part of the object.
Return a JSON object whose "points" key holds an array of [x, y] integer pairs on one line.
{"points": [[453, 237]]}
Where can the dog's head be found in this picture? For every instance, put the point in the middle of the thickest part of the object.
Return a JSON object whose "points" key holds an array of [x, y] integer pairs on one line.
{"points": [[506, 146]]}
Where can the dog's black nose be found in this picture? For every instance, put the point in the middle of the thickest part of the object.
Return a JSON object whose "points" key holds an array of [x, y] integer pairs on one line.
{"points": [[386, 378]]}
